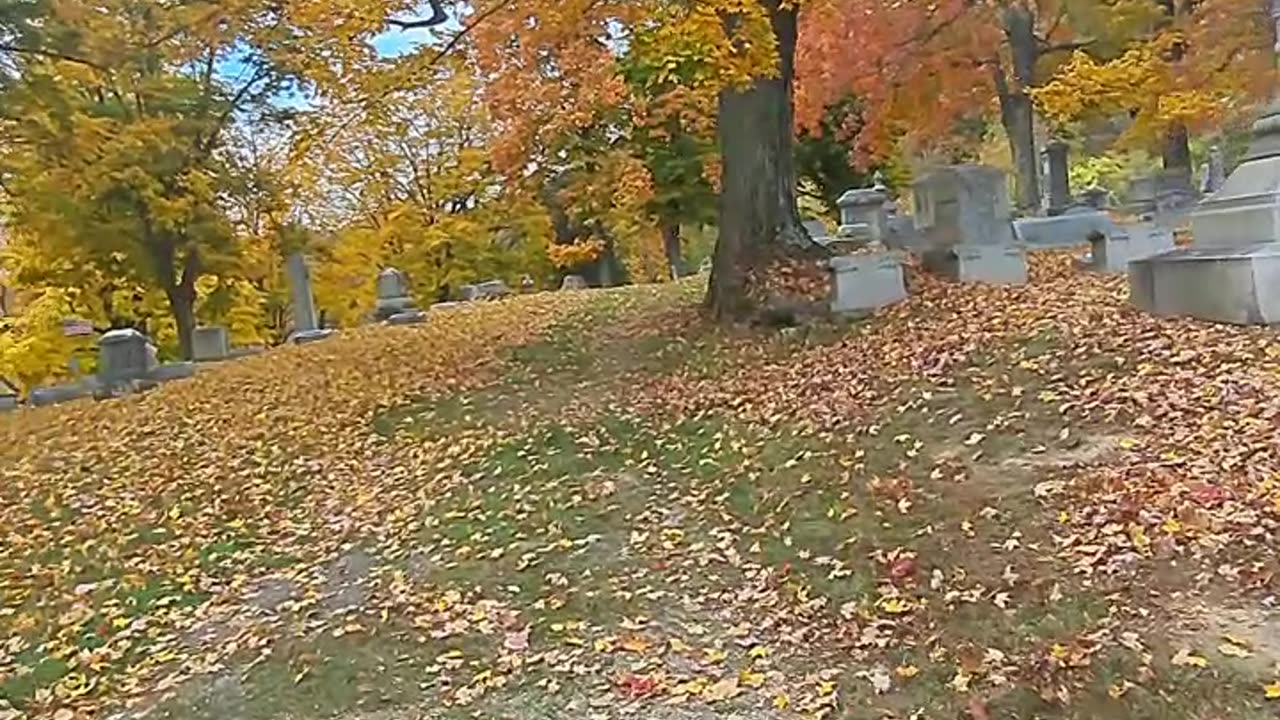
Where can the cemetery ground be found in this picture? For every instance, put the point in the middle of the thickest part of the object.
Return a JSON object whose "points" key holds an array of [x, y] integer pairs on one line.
{"points": [[983, 502]]}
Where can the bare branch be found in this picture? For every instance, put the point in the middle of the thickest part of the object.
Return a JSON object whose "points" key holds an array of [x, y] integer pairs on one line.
{"points": [[51, 54], [438, 17]]}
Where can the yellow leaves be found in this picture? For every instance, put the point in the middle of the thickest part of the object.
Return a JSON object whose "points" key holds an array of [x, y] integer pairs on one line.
{"points": [[751, 679], [721, 690], [1271, 691], [896, 605]]}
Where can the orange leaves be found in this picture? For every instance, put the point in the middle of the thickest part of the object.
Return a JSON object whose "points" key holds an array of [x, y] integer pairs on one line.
{"points": [[568, 257]]}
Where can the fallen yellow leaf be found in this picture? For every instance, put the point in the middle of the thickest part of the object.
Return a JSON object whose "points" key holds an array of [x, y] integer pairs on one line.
{"points": [[1185, 658], [722, 690], [1272, 690]]}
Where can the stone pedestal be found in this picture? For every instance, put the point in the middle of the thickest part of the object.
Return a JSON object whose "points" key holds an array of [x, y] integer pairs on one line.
{"points": [[304, 307], [1142, 195], [1006, 265], [863, 217], [211, 344], [574, 282], [1115, 252], [1231, 273], [817, 231], [409, 317], [866, 281]]}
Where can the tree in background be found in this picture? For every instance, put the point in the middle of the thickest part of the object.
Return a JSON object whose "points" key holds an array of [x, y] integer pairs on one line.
{"points": [[112, 140]]}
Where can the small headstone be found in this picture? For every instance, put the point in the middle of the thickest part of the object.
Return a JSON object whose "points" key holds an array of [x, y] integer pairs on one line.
{"points": [[310, 336], [210, 344], [1098, 198], [304, 307], [1142, 194], [574, 282], [866, 281], [492, 290], [989, 264], [8, 396], [469, 293], [817, 231], [1214, 174], [393, 294], [964, 205], [124, 355]]}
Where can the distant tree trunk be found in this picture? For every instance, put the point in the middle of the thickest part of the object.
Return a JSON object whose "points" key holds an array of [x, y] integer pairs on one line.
{"points": [[182, 302], [1176, 154], [671, 246], [1016, 112], [758, 213]]}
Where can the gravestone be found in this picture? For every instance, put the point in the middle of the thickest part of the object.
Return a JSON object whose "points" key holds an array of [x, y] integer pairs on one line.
{"points": [[1142, 195], [1114, 253], [817, 231], [1215, 172], [1231, 273], [210, 344], [866, 281], [863, 217], [408, 317], [55, 394], [573, 282], [124, 356], [393, 294], [306, 326], [1058, 177], [963, 218], [1070, 229]]}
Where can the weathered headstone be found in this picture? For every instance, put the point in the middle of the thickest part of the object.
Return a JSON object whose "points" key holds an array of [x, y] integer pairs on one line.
{"points": [[1142, 194], [1231, 274], [573, 282], [306, 326], [393, 294], [210, 343], [866, 281], [817, 231], [1215, 171], [1114, 252], [963, 216], [124, 356], [1059, 176], [1070, 229], [862, 215]]}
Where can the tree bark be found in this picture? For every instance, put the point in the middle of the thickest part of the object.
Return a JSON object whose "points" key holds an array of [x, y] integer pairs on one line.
{"points": [[758, 213], [671, 245], [182, 303], [1016, 112]]}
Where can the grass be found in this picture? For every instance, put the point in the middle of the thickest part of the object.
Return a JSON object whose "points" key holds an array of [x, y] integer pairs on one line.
{"points": [[631, 544]]}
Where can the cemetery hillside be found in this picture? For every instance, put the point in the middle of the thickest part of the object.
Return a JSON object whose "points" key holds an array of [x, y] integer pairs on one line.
{"points": [[605, 359]]}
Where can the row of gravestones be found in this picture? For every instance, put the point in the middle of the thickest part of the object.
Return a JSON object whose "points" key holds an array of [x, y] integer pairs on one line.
{"points": [[963, 229]]}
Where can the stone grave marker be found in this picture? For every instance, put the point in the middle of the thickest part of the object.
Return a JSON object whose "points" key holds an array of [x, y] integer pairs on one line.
{"points": [[964, 218], [211, 343], [863, 216], [124, 356], [573, 282], [1058, 177], [394, 295], [866, 281], [306, 325]]}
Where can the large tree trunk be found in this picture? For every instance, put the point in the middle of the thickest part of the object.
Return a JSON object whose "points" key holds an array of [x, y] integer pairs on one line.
{"points": [[671, 246], [182, 303], [1016, 112], [758, 213]]}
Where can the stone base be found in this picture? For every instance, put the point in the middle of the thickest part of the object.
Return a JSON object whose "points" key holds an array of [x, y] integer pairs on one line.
{"points": [[41, 397], [172, 371], [1237, 286], [1114, 253], [310, 336], [446, 305], [866, 282], [386, 307], [1064, 231], [992, 264], [1245, 210], [210, 344], [413, 317], [7, 403]]}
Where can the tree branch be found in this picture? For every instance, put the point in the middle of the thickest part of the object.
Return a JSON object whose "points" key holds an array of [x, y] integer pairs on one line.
{"points": [[438, 16], [51, 54]]}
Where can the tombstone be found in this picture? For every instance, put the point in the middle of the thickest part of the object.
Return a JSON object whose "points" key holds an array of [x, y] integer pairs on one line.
{"points": [[817, 231], [393, 294], [963, 218], [573, 282], [124, 356], [210, 344], [862, 215], [1113, 253], [1058, 177], [306, 326], [1231, 272], [493, 289], [53, 395], [1142, 194], [469, 293], [1077, 226], [1096, 198], [1214, 173], [866, 281]]}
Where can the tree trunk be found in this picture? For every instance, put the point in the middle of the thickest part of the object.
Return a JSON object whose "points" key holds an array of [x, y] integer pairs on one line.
{"points": [[1176, 154], [182, 303], [758, 212], [1016, 112], [671, 245]]}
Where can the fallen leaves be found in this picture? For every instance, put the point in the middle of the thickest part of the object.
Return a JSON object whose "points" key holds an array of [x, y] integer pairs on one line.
{"points": [[1186, 658]]}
